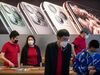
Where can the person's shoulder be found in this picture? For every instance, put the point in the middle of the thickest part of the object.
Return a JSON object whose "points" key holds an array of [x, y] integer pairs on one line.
{"points": [[36, 46], [78, 37], [96, 56], [69, 44], [17, 44], [6, 43], [82, 53], [24, 47], [52, 44]]}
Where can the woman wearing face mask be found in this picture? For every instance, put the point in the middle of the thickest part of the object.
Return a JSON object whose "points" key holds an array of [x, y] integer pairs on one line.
{"points": [[10, 51], [31, 55]]}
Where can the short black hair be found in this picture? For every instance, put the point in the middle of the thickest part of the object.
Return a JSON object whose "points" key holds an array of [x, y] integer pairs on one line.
{"points": [[13, 34], [94, 44], [62, 32]]}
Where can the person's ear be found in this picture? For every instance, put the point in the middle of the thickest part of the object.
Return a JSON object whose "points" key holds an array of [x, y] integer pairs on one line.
{"points": [[12, 38], [58, 38]]}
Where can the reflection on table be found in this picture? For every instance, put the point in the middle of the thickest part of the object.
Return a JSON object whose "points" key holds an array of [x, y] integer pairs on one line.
{"points": [[25, 71]]}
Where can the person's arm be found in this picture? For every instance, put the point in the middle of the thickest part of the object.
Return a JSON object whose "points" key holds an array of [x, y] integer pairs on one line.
{"points": [[18, 59], [23, 59], [78, 67], [73, 51], [6, 60], [67, 57], [39, 56], [47, 61], [18, 56], [75, 45], [92, 70]]}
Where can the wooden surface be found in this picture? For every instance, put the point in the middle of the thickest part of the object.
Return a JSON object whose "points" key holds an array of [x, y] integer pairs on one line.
{"points": [[21, 71], [25, 71]]}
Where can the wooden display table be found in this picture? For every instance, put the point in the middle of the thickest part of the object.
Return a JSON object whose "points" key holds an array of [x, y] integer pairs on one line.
{"points": [[22, 71], [25, 71]]}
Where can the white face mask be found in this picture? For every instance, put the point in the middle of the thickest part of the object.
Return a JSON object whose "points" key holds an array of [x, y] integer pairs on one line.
{"points": [[87, 36], [64, 44], [31, 43]]}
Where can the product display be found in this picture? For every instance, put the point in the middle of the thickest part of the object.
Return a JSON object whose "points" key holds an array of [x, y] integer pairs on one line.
{"points": [[84, 16], [57, 17], [12, 19], [48, 18], [35, 18]]}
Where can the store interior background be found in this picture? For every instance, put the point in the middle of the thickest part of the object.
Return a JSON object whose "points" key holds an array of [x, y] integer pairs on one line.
{"points": [[43, 40]]}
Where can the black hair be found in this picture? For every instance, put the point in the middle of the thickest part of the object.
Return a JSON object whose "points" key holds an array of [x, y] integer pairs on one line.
{"points": [[62, 32], [13, 34], [28, 38], [82, 32], [94, 44]]}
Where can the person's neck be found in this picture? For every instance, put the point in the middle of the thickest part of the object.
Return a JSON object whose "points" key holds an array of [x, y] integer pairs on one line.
{"points": [[58, 44], [11, 41], [31, 46], [88, 50], [82, 35]]}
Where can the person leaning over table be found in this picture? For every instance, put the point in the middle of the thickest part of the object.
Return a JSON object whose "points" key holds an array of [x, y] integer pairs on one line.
{"points": [[87, 61], [10, 51], [58, 54], [31, 54]]}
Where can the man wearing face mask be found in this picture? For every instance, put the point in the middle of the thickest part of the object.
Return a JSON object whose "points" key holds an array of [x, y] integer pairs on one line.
{"points": [[10, 50], [87, 62], [79, 42], [58, 55]]}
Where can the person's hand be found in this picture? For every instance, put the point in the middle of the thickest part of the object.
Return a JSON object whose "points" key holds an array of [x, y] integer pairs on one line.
{"points": [[11, 64], [19, 66], [40, 64], [91, 68], [91, 72]]}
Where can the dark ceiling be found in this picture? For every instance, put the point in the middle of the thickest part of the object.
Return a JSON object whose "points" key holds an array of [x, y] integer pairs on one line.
{"points": [[91, 3]]}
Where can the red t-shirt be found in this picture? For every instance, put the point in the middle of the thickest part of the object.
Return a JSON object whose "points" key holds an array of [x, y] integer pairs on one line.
{"points": [[32, 56], [80, 43], [59, 62], [11, 53]]}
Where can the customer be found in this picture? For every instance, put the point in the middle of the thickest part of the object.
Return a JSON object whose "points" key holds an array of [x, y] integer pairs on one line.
{"points": [[10, 50], [58, 55], [96, 63], [31, 55], [84, 62]]}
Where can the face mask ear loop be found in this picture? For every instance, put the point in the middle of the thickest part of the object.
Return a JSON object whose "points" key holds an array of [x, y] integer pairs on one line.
{"points": [[63, 49]]}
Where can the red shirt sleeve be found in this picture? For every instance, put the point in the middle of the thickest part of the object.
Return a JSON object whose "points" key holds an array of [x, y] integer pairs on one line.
{"points": [[4, 48], [76, 41], [18, 49]]}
